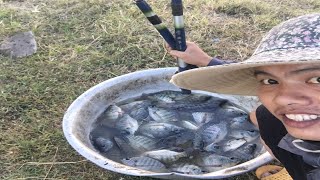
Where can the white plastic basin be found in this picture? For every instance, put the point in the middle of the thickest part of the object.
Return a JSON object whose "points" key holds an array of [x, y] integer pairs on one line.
{"points": [[86, 108]]}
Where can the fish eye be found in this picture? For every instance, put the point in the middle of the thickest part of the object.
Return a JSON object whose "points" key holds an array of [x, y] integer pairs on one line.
{"points": [[268, 81], [314, 80]]}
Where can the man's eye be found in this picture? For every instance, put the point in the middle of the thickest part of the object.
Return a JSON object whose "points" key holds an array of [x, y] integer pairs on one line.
{"points": [[314, 80], [269, 81]]}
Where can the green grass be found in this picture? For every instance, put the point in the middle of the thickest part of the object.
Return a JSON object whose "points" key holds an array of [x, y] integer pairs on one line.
{"points": [[84, 42]]}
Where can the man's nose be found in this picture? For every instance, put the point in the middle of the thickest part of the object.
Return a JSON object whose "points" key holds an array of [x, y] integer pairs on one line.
{"points": [[292, 95]]}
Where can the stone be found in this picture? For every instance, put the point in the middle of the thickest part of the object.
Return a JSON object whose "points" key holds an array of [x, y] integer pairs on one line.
{"points": [[19, 45]]}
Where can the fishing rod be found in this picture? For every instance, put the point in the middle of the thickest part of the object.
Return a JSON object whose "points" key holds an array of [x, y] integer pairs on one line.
{"points": [[179, 41], [156, 22], [180, 36]]}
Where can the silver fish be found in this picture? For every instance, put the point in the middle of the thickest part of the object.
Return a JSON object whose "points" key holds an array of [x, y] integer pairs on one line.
{"points": [[233, 144], [128, 106], [140, 113], [186, 133], [183, 139], [204, 117], [137, 110], [214, 162], [114, 154], [145, 163], [213, 147], [186, 168], [234, 109], [210, 133], [186, 124], [206, 106], [162, 115], [163, 96], [192, 98], [110, 116], [159, 130], [141, 143], [177, 97], [125, 146], [127, 124], [240, 122], [245, 153], [103, 144], [164, 155], [248, 135]]}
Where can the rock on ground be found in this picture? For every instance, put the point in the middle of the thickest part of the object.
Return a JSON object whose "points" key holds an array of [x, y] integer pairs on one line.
{"points": [[19, 45]]}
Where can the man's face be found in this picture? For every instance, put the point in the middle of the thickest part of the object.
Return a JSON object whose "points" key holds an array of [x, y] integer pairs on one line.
{"points": [[292, 94]]}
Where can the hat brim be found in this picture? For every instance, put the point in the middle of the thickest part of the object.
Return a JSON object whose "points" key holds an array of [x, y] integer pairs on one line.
{"points": [[235, 78]]}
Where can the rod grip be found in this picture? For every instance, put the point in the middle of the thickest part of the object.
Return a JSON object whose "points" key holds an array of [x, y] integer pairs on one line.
{"points": [[177, 7]]}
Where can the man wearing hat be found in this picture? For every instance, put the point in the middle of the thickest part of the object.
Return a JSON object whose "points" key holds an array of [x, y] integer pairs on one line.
{"points": [[284, 72]]}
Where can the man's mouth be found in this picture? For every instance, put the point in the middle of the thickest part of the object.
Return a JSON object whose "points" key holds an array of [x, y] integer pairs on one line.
{"points": [[300, 120], [302, 117]]}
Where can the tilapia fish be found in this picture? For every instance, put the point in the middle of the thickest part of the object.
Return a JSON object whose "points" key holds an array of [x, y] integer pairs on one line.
{"points": [[138, 143], [206, 106], [145, 163], [165, 155], [162, 115], [127, 124], [183, 139], [233, 144], [159, 130], [204, 117], [214, 162], [244, 153], [110, 116], [248, 135], [168, 131], [186, 168], [241, 122], [210, 133], [137, 109], [175, 97], [107, 147], [103, 144]]}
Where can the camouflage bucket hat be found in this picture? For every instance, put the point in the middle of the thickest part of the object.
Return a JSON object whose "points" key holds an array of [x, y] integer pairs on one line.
{"points": [[295, 41]]}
